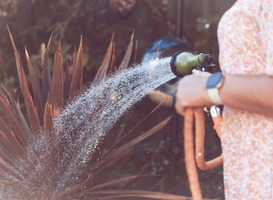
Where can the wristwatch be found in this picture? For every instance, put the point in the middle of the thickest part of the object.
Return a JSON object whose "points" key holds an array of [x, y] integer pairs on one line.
{"points": [[214, 82]]}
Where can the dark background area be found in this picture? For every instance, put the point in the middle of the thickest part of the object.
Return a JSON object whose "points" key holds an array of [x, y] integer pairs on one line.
{"points": [[31, 23]]}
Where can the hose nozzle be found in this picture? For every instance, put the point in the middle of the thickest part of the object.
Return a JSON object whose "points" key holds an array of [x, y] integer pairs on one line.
{"points": [[183, 63]]}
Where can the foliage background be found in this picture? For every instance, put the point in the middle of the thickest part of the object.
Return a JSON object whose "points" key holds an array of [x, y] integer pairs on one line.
{"points": [[33, 21]]}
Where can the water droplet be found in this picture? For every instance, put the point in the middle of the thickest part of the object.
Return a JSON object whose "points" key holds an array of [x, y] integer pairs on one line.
{"points": [[207, 25]]}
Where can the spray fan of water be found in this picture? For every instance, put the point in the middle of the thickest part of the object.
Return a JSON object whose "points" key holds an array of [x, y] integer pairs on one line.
{"points": [[79, 128]]}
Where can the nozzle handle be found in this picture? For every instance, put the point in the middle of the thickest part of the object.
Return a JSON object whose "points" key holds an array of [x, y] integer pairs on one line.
{"points": [[183, 63]]}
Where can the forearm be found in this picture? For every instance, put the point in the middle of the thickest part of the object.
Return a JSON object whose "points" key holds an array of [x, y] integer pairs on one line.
{"points": [[161, 98], [252, 93]]}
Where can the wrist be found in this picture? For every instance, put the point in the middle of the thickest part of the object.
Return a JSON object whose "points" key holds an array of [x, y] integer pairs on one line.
{"points": [[213, 85]]}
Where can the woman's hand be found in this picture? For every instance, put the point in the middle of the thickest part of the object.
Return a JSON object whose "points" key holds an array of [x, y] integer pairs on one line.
{"points": [[191, 91]]}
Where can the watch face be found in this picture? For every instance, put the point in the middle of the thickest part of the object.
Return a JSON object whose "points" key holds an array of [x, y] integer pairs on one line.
{"points": [[215, 80]]}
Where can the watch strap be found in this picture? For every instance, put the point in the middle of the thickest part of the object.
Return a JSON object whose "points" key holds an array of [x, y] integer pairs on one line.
{"points": [[214, 96]]}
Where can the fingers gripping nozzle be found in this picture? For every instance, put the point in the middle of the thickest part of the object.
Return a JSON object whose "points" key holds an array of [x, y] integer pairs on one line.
{"points": [[183, 63]]}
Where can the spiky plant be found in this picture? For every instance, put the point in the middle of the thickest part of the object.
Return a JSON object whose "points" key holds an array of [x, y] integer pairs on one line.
{"points": [[30, 149]]}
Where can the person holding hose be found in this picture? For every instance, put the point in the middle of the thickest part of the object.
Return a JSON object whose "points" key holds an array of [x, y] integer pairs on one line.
{"points": [[245, 88]]}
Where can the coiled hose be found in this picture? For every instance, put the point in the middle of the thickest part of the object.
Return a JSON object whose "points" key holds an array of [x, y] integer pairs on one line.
{"points": [[195, 156]]}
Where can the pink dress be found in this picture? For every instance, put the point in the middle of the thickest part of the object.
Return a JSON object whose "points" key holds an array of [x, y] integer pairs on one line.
{"points": [[245, 35]]}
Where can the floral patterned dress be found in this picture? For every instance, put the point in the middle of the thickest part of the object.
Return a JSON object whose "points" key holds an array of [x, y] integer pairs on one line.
{"points": [[245, 35]]}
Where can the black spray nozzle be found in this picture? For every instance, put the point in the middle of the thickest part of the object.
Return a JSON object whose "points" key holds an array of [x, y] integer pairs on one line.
{"points": [[183, 63]]}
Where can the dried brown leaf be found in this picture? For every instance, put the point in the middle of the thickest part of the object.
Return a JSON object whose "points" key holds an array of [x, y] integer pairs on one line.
{"points": [[57, 82], [104, 67], [127, 148], [35, 86], [113, 182], [10, 141], [31, 110], [6, 168], [14, 118], [110, 194], [11, 120], [113, 66], [78, 186], [145, 135], [46, 72], [69, 75], [135, 57], [76, 83], [48, 117], [126, 59]]}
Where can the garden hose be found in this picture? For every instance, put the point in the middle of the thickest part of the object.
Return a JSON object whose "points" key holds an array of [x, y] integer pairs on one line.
{"points": [[196, 157], [182, 64]]}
